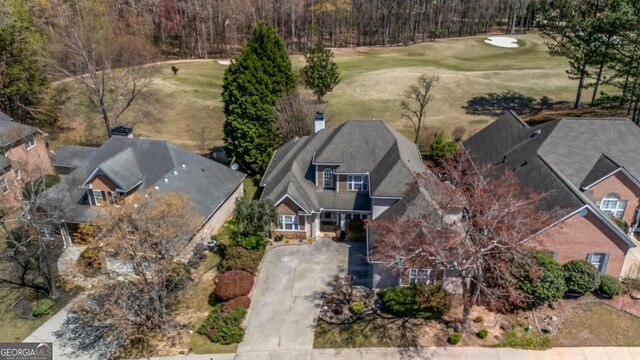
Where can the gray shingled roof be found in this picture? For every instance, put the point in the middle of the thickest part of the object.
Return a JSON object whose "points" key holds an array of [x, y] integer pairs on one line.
{"points": [[603, 167], [11, 131], [556, 157], [156, 164], [357, 146], [4, 162], [72, 156]]}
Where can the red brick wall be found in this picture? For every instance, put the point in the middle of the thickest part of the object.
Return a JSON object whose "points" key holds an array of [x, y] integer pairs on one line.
{"points": [[578, 236], [625, 188], [288, 207], [32, 163], [10, 200]]}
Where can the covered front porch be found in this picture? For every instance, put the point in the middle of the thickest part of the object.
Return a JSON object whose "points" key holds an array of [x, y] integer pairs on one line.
{"points": [[331, 221]]}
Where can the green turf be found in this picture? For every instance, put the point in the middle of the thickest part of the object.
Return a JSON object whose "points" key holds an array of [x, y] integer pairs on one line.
{"points": [[373, 81]]}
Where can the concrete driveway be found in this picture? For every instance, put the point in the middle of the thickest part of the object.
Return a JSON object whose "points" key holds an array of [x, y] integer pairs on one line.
{"points": [[286, 301]]}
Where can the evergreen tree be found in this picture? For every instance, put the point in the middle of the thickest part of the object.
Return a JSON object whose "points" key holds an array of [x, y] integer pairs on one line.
{"points": [[24, 84], [252, 85], [321, 73]]}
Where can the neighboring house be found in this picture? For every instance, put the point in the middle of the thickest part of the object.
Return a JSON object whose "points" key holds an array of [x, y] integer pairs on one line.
{"points": [[23, 157], [321, 182], [93, 178], [589, 169]]}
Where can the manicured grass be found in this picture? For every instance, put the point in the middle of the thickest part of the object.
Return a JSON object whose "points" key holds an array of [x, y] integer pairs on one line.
{"points": [[597, 324], [251, 189], [373, 81], [372, 331], [199, 344], [519, 339]]}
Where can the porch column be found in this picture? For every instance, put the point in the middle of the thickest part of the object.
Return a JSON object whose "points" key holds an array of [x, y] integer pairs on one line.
{"points": [[316, 224], [342, 221]]}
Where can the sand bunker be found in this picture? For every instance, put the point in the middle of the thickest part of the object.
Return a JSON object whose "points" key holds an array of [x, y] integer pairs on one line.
{"points": [[502, 41]]}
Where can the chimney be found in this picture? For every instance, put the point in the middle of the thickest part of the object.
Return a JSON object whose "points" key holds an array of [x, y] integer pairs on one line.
{"points": [[319, 121], [122, 131]]}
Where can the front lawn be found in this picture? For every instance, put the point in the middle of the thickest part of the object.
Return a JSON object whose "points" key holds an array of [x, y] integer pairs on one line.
{"points": [[597, 324]]}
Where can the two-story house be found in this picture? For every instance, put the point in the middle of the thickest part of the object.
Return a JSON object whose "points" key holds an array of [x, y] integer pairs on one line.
{"points": [[589, 170], [94, 178], [322, 181], [23, 157]]}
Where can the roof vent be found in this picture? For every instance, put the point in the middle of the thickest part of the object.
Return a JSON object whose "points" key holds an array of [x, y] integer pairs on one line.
{"points": [[184, 166], [157, 187], [175, 172], [166, 181], [536, 133], [202, 169]]}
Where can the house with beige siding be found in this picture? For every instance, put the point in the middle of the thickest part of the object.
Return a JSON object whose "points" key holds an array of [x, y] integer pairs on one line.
{"points": [[95, 178], [589, 170], [23, 157], [322, 182]]}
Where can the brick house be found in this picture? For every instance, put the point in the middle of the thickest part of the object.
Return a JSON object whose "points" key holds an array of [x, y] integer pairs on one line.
{"points": [[321, 182], [23, 157], [93, 178], [589, 169]]}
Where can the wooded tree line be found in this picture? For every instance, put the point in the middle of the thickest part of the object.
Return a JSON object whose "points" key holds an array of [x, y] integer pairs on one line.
{"points": [[205, 28]]}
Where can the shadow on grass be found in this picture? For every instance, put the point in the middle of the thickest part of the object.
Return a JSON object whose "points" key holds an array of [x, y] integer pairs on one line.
{"points": [[495, 104]]}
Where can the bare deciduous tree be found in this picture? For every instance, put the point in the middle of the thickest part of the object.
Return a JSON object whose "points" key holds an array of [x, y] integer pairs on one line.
{"points": [[293, 116], [106, 57], [418, 96], [143, 238], [478, 233]]}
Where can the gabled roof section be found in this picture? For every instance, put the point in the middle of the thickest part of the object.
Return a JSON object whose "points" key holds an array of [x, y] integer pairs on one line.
{"points": [[149, 164], [72, 156], [355, 147], [603, 168], [4, 162], [12, 131]]}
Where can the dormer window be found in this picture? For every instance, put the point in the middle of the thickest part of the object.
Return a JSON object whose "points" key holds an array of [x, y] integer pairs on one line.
{"points": [[612, 205], [98, 197], [357, 183], [327, 178]]}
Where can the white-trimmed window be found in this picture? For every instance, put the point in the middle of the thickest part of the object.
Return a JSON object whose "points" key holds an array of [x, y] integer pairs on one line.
{"points": [[17, 174], [29, 142], [98, 197], [357, 183], [327, 178], [599, 260], [288, 223], [4, 185], [46, 232], [422, 276], [612, 205]]}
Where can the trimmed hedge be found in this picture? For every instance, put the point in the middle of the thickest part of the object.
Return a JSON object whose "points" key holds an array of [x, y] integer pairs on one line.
{"points": [[482, 334], [550, 286], [609, 286], [43, 307], [580, 277], [357, 307], [428, 302], [223, 327], [239, 258], [242, 302], [454, 339], [233, 284]]}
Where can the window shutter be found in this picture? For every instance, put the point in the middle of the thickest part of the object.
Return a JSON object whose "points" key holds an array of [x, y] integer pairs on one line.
{"points": [[605, 261]]}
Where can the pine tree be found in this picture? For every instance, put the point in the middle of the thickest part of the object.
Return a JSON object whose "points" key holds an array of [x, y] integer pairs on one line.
{"points": [[252, 85], [24, 84], [321, 73]]}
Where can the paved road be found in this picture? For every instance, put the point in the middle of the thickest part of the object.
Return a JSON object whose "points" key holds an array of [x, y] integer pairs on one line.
{"points": [[281, 320]]}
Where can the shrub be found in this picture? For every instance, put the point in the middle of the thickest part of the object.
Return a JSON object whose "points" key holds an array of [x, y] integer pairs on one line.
{"points": [[623, 225], [357, 307], [43, 307], [278, 238], [609, 286], [90, 260], [550, 286], [239, 258], [178, 278], [198, 255], [242, 302], [458, 133], [478, 319], [233, 284], [580, 277], [252, 242], [482, 334], [223, 327], [454, 339], [254, 217], [429, 302]]}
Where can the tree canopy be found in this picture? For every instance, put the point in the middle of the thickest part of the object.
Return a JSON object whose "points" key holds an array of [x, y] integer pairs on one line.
{"points": [[321, 73], [252, 85]]}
